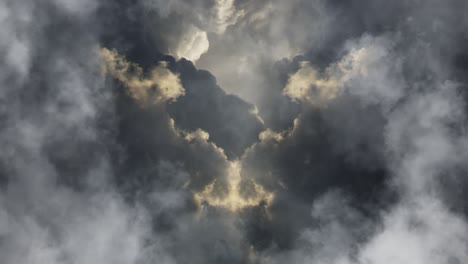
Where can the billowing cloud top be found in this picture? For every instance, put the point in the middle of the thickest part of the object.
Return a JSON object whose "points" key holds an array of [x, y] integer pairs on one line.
{"points": [[233, 131]]}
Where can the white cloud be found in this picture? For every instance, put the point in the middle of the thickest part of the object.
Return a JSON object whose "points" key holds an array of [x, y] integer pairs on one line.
{"points": [[193, 44]]}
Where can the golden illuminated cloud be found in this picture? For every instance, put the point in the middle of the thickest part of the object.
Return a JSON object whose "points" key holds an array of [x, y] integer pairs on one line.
{"points": [[160, 85], [269, 134], [308, 85], [236, 198], [233, 194]]}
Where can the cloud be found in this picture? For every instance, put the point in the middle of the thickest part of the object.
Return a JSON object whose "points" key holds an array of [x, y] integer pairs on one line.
{"points": [[431, 233], [160, 86], [301, 131], [57, 203], [231, 122], [238, 196], [194, 44], [305, 85], [226, 14], [368, 70]]}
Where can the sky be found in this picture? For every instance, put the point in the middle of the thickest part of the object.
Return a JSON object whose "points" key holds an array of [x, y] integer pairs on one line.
{"points": [[233, 131]]}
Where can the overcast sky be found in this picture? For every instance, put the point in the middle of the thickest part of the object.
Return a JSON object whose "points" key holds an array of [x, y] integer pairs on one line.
{"points": [[233, 131]]}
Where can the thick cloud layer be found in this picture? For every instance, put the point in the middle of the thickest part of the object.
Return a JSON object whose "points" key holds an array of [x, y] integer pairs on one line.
{"points": [[233, 131]]}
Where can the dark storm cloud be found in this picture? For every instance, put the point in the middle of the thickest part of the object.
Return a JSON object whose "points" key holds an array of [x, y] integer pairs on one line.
{"points": [[56, 206], [232, 123], [309, 161], [343, 121], [394, 88], [152, 140], [85, 163]]}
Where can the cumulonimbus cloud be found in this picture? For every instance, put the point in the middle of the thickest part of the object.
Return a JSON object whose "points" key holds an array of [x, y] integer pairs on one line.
{"points": [[300, 132]]}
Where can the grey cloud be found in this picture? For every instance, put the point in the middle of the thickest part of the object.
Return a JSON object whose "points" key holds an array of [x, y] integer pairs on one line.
{"points": [[54, 102], [374, 173]]}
